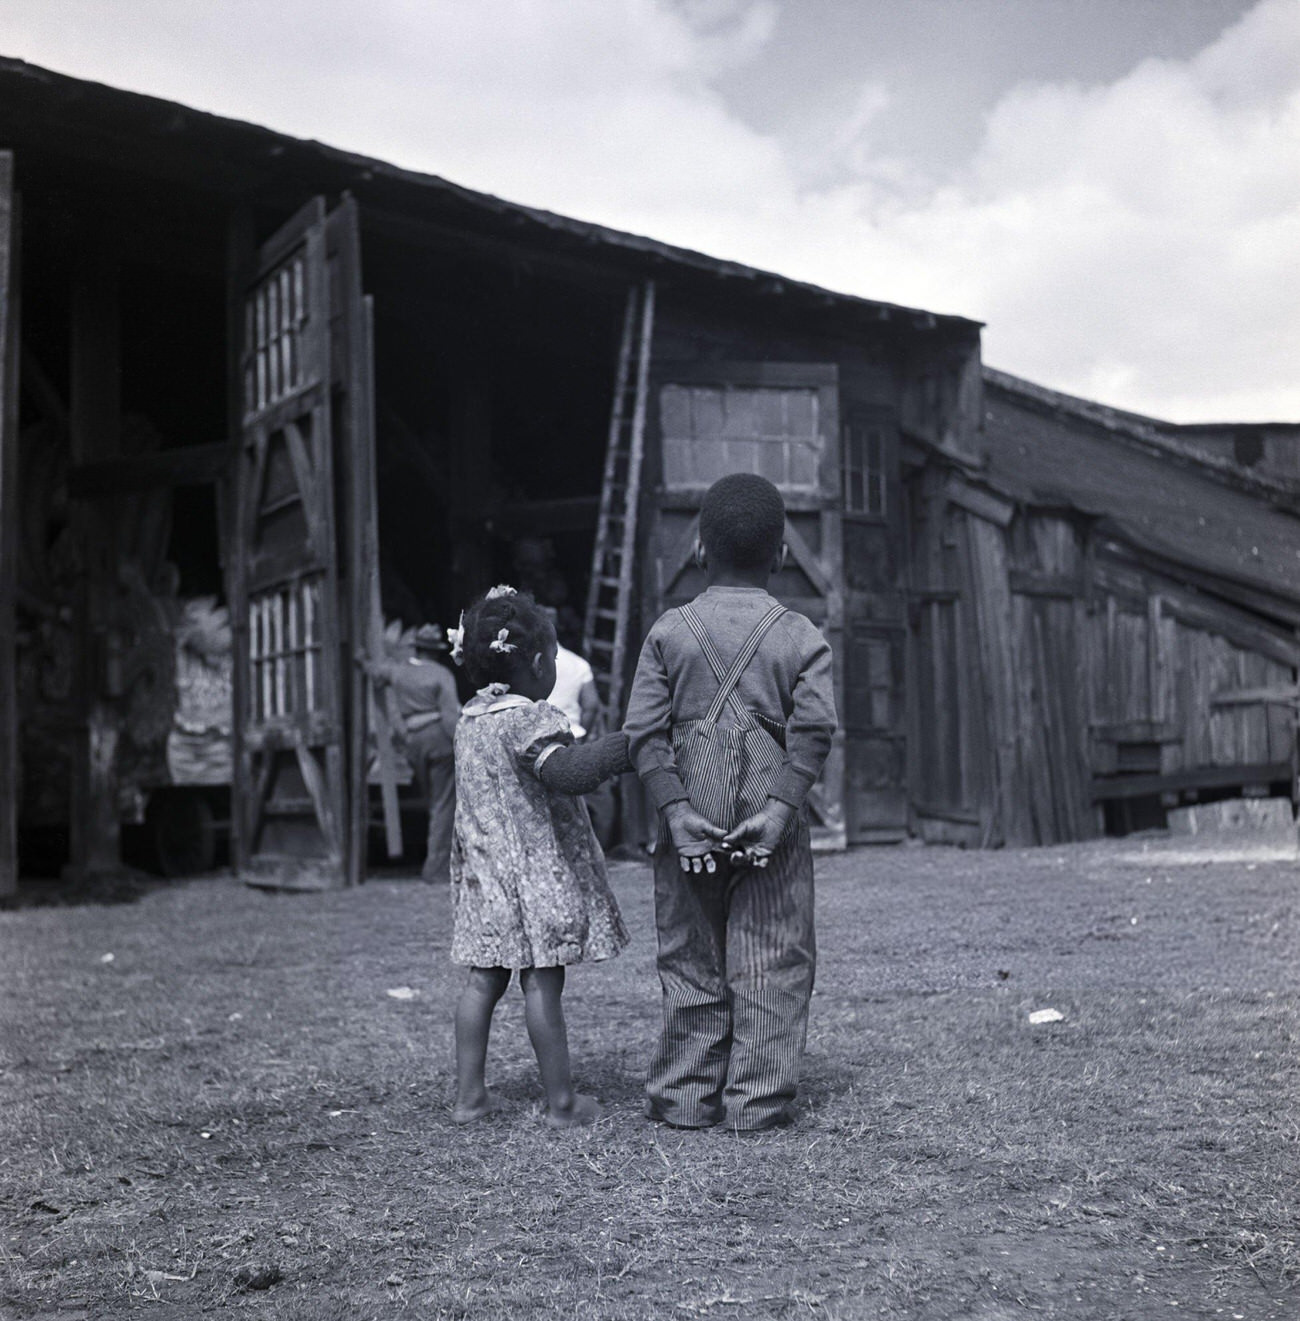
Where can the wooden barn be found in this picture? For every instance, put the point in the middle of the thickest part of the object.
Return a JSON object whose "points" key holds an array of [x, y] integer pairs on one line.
{"points": [[315, 394], [334, 393], [1105, 619]]}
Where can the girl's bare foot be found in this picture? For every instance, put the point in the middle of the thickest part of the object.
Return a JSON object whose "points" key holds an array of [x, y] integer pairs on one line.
{"points": [[468, 1112], [583, 1110]]}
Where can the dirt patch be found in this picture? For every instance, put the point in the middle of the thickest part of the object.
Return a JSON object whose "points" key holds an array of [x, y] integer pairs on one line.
{"points": [[232, 1112]]}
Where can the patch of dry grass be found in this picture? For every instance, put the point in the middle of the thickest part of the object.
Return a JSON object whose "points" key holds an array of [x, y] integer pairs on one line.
{"points": [[233, 1114]]}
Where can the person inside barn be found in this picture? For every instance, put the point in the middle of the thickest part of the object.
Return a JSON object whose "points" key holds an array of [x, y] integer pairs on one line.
{"points": [[729, 722], [575, 694], [430, 707]]}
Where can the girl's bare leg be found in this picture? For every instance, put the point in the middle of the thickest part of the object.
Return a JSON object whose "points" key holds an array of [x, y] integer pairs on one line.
{"points": [[483, 988], [565, 1108]]}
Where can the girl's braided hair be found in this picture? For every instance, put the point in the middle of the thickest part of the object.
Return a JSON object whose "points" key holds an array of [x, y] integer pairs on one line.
{"points": [[501, 627]]}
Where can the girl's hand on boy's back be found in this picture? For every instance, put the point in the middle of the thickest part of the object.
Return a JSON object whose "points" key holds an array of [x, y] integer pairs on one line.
{"points": [[693, 836], [755, 839]]}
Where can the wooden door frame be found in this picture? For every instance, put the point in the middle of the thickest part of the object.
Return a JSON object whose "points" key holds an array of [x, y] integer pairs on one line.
{"points": [[313, 474], [825, 571], [10, 330]]}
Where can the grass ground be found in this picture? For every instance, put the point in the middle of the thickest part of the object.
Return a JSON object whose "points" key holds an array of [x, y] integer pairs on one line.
{"points": [[211, 1101]]}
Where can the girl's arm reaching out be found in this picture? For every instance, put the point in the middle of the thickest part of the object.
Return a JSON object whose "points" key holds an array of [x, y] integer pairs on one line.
{"points": [[580, 767]]}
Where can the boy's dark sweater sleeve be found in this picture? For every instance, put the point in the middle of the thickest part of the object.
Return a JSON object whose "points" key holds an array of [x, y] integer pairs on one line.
{"points": [[580, 767], [649, 719], [811, 725]]}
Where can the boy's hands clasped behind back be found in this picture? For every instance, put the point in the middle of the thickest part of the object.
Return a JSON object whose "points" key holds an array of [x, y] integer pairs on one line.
{"points": [[752, 842], [693, 836]]}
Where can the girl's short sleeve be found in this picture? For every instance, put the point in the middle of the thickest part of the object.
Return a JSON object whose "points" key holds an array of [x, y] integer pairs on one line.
{"points": [[541, 727]]}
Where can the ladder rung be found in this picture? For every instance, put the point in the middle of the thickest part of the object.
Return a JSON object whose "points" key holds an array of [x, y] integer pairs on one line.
{"points": [[610, 582], [607, 614], [600, 644]]}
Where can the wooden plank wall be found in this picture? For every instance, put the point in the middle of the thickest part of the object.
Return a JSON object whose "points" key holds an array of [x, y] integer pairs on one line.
{"points": [[1077, 665], [951, 773], [1153, 677]]}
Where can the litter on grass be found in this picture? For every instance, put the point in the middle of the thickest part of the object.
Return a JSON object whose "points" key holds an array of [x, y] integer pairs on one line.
{"points": [[1046, 1016], [401, 993]]}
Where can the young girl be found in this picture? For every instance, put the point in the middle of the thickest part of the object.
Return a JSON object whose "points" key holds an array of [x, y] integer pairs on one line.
{"points": [[529, 890]]}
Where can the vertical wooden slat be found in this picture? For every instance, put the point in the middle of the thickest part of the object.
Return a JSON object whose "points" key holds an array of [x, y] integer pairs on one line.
{"points": [[370, 623], [312, 639], [278, 644], [240, 401], [10, 329], [95, 433], [997, 662]]}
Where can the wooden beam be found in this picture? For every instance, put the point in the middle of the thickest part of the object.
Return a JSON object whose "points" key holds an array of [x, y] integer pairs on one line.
{"points": [[1204, 777], [95, 432], [1280, 695], [1198, 610], [194, 465], [983, 504], [1226, 586], [456, 243], [9, 495], [1030, 582]]}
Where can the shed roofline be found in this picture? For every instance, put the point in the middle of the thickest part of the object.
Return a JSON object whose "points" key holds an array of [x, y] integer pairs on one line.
{"points": [[1041, 500], [174, 118], [1144, 433]]}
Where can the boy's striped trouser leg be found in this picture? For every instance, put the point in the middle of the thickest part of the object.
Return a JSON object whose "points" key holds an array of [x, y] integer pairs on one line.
{"points": [[737, 954]]}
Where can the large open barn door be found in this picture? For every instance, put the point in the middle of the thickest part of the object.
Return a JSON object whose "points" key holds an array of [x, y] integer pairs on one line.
{"points": [[8, 526], [304, 378], [780, 420]]}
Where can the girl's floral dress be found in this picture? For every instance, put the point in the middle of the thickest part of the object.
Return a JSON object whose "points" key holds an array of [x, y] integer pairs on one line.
{"points": [[529, 888]]}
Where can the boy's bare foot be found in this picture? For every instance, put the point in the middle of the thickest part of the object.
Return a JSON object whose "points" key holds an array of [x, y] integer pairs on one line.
{"points": [[467, 1113], [584, 1110]]}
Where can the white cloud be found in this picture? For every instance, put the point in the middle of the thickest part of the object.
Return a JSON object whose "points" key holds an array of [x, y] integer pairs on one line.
{"points": [[1137, 241]]}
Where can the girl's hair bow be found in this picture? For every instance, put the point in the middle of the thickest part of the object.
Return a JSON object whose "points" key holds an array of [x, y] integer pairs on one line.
{"points": [[502, 589], [501, 642], [456, 636]]}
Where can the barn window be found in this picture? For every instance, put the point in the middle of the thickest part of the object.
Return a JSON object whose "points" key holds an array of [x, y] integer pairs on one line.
{"points": [[285, 650], [710, 431], [864, 468]]}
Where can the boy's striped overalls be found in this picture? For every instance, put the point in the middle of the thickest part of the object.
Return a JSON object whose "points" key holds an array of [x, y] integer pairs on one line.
{"points": [[737, 950]]}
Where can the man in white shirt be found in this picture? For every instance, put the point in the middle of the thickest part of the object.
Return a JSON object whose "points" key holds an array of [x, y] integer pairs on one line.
{"points": [[575, 692]]}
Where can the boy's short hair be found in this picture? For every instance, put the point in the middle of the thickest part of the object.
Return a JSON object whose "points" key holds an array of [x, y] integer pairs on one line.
{"points": [[742, 520]]}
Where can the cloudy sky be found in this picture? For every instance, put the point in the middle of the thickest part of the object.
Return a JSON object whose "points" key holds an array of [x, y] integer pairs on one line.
{"points": [[1112, 185]]}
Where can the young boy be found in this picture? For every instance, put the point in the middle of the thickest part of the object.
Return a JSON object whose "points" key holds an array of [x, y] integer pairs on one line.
{"points": [[733, 897]]}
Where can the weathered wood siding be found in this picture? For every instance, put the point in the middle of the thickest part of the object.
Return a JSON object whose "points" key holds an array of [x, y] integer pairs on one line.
{"points": [[1154, 668], [891, 381], [1047, 668]]}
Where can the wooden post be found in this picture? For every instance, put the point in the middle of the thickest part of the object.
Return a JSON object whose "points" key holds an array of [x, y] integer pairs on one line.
{"points": [[9, 332], [95, 433], [240, 250]]}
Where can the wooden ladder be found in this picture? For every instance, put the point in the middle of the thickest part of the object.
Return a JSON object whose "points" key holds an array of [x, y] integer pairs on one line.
{"points": [[609, 591]]}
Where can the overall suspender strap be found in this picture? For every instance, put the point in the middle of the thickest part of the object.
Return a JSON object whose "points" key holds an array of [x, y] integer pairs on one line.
{"points": [[728, 679]]}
